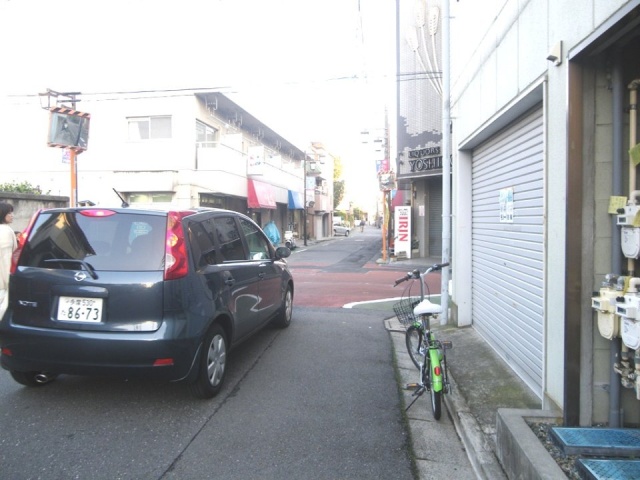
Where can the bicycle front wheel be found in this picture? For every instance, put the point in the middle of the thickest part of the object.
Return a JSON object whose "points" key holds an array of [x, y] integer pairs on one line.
{"points": [[415, 348]]}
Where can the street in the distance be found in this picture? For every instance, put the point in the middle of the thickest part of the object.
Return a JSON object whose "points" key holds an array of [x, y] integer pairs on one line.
{"points": [[343, 270]]}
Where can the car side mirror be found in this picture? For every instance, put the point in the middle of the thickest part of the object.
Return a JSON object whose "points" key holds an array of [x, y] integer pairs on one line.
{"points": [[282, 252]]}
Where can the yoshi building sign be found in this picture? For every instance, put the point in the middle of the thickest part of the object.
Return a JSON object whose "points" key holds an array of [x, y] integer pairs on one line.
{"points": [[425, 159]]}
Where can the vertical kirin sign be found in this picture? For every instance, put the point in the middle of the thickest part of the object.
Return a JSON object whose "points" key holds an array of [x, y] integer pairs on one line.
{"points": [[402, 224]]}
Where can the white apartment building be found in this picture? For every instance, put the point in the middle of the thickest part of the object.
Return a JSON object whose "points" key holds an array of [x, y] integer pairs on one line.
{"points": [[182, 148]]}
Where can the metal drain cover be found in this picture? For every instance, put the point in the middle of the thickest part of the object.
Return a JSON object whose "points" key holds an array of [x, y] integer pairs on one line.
{"points": [[607, 442], [601, 469]]}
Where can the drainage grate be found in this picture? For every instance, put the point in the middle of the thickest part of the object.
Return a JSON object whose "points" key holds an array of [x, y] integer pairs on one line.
{"points": [[608, 442], [598, 469]]}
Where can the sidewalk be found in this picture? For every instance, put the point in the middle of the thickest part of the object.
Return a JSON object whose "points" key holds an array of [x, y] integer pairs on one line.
{"points": [[481, 384]]}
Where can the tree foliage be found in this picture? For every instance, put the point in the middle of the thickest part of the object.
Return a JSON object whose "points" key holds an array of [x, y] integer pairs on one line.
{"points": [[338, 183], [337, 168], [338, 192], [23, 187]]}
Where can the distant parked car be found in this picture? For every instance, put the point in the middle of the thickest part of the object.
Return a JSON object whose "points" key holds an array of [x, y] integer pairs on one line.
{"points": [[341, 229], [160, 294]]}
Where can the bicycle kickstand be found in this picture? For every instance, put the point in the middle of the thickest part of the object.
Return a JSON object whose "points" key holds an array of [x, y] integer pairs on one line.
{"points": [[418, 390]]}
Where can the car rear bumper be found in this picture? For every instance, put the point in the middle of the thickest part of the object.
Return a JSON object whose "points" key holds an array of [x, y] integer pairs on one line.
{"points": [[152, 355]]}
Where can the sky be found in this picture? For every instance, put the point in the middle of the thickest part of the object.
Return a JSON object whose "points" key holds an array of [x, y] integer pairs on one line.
{"points": [[313, 71]]}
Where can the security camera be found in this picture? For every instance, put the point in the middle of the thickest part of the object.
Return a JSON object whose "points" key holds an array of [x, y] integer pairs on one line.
{"points": [[555, 55]]}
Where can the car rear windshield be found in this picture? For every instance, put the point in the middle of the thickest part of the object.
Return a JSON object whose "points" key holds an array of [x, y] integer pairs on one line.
{"points": [[116, 241]]}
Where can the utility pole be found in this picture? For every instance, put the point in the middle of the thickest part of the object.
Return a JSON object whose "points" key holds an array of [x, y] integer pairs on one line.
{"points": [[304, 198], [446, 162]]}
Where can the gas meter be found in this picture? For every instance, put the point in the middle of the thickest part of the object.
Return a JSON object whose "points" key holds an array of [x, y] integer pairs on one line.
{"points": [[630, 234], [629, 311], [605, 306]]}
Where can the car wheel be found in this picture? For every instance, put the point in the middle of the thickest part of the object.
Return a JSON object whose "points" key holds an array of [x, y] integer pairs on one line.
{"points": [[283, 320], [335, 233], [346, 234], [213, 364], [32, 379]]}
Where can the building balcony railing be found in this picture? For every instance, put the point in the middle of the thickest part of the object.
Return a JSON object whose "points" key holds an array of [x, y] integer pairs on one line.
{"points": [[322, 203]]}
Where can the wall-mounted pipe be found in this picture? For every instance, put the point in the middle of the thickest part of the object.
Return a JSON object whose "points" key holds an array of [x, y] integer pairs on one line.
{"points": [[633, 125], [618, 95], [633, 285], [627, 374]]}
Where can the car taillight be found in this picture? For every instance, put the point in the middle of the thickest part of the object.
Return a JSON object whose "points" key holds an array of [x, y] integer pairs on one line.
{"points": [[175, 265], [22, 239]]}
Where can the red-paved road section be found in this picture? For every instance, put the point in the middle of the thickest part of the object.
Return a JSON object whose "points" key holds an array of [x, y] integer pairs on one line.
{"points": [[316, 287]]}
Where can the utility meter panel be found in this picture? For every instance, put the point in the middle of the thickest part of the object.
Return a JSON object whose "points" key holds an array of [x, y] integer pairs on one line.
{"points": [[629, 311], [605, 307], [630, 242], [630, 234]]}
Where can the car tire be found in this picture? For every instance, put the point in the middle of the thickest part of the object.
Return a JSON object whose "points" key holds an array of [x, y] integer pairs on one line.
{"points": [[32, 379], [335, 233], [346, 233], [213, 364], [283, 319]]}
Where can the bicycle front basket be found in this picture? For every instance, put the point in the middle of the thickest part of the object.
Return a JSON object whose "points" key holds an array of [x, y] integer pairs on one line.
{"points": [[404, 310]]}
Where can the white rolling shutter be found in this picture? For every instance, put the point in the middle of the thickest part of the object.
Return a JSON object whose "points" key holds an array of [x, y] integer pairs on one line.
{"points": [[508, 256]]}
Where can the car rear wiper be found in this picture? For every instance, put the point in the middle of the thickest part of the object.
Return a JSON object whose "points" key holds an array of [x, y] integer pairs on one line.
{"points": [[86, 265]]}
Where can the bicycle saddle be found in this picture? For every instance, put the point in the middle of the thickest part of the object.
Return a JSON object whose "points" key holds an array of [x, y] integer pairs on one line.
{"points": [[425, 307]]}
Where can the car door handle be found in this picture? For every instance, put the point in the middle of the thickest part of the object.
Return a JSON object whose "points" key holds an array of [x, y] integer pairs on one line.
{"points": [[261, 275]]}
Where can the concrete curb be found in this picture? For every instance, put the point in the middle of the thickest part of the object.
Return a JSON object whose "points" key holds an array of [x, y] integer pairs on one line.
{"points": [[520, 450], [481, 456]]}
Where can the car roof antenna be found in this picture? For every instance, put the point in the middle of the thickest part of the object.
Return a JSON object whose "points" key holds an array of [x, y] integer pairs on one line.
{"points": [[124, 202]]}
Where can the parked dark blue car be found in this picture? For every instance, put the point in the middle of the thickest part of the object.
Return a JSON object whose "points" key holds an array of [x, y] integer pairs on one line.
{"points": [[161, 294]]}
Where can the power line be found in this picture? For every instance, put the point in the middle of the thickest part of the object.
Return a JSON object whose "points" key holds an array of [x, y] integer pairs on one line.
{"points": [[191, 90]]}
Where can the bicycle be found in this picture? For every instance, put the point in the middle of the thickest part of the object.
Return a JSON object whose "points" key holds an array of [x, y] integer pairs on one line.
{"points": [[426, 352]]}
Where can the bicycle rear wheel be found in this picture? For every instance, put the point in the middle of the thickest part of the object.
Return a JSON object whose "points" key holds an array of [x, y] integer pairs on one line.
{"points": [[436, 397], [416, 350], [436, 403]]}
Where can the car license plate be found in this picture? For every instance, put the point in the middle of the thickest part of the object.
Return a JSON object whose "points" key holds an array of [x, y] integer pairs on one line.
{"points": [[79, 309]]}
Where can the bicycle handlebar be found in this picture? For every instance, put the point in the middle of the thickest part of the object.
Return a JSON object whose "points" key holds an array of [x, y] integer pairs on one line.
{"points": [[416, 273], [408, 276]]}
